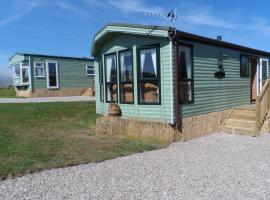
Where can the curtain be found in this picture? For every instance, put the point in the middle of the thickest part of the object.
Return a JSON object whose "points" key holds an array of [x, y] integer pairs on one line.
{"points": [[154, 59], [122, 64], [109, 67], [188, 62], [143, 52]]}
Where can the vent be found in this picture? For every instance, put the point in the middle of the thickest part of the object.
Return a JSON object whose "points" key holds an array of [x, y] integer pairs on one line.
{"points": [[219, 37]]}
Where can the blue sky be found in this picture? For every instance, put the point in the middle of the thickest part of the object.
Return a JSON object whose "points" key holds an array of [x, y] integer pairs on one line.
{"points": [[66, 27]]}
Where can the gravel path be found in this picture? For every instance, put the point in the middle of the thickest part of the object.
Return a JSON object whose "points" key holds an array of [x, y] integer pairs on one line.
{"points": [[220, 166], [47, 99]]}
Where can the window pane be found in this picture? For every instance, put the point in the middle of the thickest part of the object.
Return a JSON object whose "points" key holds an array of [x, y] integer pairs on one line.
{"points": [[25, 75], [126, 66], [52, 74], [39, 64], [185, 94], [185, 62], [244, 66], [17, 71], [90, 70], [100, 72], [264, 72], [149, 92], [148, 62], [126, 93], [101, 93], [111, 73], [111, 92], [39, 71], [25, 64]]}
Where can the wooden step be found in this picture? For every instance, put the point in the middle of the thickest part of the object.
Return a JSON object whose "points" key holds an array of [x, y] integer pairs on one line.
{"points": [[240, 123], [244, 117], [244, 112], [238, 130]]}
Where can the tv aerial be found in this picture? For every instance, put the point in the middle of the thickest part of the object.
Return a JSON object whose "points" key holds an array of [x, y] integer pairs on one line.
{"points": [[171, 15]]}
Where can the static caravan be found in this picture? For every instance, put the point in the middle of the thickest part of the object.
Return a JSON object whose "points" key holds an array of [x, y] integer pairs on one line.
{"points": [[196, 84], [37, 75]]}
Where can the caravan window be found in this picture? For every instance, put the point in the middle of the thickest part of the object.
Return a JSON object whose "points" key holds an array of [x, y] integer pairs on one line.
{"points": [[111, 78], [126, 76], [185, 74], [244, 65], [149, 76]]}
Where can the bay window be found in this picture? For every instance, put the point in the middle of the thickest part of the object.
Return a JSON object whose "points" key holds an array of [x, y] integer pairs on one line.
{"points": [[126, 76], [111, 78], [148, 75], [185, 74]]}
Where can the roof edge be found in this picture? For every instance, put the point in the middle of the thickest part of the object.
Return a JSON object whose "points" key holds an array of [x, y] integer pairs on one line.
{"points": [[211, 41], [52, 56]]}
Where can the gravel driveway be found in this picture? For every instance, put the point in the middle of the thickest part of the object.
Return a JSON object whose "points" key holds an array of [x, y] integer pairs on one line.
{"points": [[220, 166], [47, 99]]}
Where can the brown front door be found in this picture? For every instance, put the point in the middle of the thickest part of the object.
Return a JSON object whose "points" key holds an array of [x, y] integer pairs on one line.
{"points": [[254, 62]]}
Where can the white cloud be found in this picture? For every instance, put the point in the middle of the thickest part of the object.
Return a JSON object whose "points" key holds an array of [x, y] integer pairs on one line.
{"points": [[197, 16], [69, 7], [258, 24], [20, 9], [134, 6]]}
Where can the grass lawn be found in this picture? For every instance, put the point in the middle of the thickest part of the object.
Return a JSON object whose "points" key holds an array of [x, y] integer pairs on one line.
{"points": [[7, 93], [39, 136]]}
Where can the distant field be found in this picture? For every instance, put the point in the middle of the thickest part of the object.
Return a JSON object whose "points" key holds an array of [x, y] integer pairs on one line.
{"points": [[7, 92], [39, 136]]}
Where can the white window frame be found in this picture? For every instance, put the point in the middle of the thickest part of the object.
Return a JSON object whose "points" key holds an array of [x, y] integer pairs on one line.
{"points": [[41, 67], [14, 74], [86, 67], [48, 75], [21, 74], [259, 76]]}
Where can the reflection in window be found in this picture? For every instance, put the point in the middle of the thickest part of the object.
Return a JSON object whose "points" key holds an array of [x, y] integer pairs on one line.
{"points": [[111, 78], [244, 66], [52, 75], [264, 71], [148, 63], [39, 69], [25, 75], [101, 84], [149, 92], [126, 77], [16, 71], [149, 79], [90, 70], [185, 77]]}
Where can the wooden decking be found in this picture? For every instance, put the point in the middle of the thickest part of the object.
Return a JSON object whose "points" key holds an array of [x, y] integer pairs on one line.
{"points": [[241, 120]]}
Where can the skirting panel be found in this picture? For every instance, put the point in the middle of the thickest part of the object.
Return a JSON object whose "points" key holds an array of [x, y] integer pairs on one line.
{"points": [[63, 92], [193, 127]]}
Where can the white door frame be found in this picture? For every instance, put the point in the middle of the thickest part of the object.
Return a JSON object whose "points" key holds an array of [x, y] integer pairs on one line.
{"points": [[57, 77], [259, 72], [21, 73]]}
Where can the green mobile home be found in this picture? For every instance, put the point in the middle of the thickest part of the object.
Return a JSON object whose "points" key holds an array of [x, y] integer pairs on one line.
{"points": [[165, 75], [37, 75]]}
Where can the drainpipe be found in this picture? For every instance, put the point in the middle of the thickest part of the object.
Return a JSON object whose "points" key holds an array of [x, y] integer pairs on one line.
{"points": [[175, 89], [30, 74]]}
